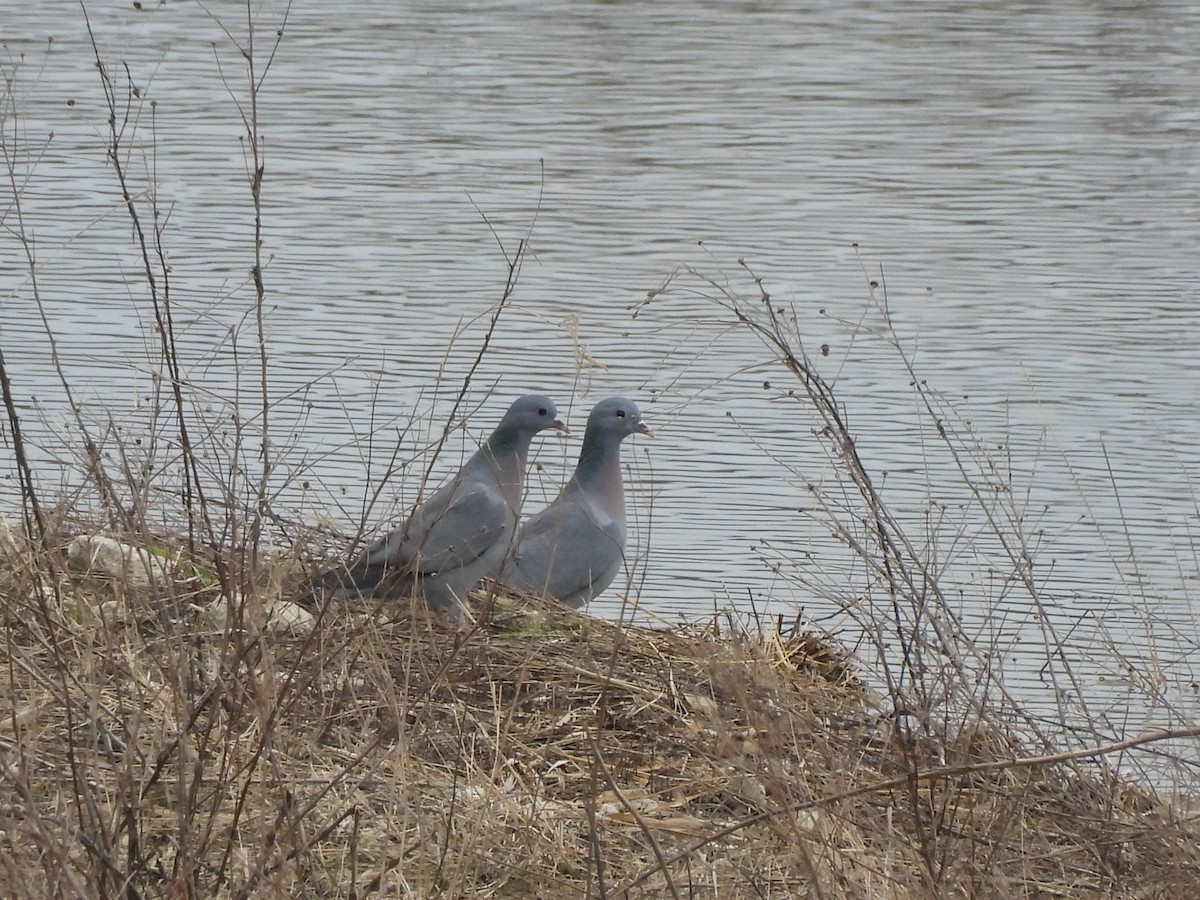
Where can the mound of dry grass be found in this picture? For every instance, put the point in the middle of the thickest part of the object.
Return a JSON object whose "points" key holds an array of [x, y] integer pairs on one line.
{"points": [[162, 740]]}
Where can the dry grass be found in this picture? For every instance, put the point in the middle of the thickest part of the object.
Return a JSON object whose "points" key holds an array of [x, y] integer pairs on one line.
{"points": [[178, 732], [161, 741]]}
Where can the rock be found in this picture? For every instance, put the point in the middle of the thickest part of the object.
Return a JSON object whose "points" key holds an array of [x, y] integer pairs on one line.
{"points": [[13, 545], [285, 616], [94, 554], [270, 615]]}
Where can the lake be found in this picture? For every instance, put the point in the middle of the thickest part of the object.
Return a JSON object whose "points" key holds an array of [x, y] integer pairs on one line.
{"points": [[1023, 178]]}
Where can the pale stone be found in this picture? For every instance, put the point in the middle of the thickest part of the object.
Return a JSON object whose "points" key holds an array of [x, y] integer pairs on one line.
{"points": [[96, 554], [271, 615], [12, 540]]}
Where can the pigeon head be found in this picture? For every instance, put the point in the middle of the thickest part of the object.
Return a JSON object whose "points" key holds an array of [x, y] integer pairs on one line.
{"points": [[531, 414], [616, 418]]}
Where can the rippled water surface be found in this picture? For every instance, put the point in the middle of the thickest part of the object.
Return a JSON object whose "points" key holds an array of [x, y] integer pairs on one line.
{"points": [[1024, 178]]}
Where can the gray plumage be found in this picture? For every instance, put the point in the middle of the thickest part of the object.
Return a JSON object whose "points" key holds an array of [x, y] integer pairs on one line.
{"points": [[574, 548], [461, 534]]}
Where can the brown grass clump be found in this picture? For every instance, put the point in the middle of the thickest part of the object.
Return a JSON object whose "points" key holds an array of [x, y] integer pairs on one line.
{"points": [[165, 741]]}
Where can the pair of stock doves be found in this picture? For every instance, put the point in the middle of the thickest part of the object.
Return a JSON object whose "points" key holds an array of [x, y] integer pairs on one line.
{"points": [[461, 534], [574, 548]]}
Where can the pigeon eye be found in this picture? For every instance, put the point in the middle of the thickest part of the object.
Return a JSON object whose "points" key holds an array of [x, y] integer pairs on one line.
{"points": [[541, 410]]}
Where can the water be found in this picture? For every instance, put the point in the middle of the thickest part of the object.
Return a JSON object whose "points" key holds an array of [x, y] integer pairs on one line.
{"points": [[1024, 178]]}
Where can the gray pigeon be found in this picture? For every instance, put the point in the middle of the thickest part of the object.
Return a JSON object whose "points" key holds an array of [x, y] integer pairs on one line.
{"points": [[461, 534], [574, 548]]}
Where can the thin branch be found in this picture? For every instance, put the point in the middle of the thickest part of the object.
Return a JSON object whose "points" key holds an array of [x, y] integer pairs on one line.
{"points": [[914, 777]]}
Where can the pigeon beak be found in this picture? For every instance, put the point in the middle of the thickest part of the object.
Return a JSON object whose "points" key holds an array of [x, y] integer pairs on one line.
{"points": [[642, 428], [560, 425]]}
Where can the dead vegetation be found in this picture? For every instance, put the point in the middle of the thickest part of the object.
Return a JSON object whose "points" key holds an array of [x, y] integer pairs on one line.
{"points": [[157, 741], [170, 728]]}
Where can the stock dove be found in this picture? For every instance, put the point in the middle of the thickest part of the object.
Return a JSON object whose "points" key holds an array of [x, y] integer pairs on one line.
{"points": [[574, 548], [461, 534]]}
